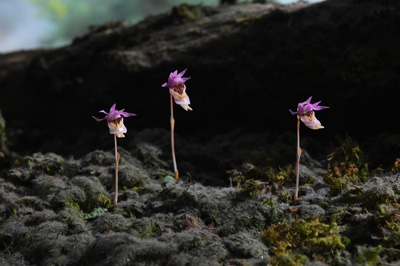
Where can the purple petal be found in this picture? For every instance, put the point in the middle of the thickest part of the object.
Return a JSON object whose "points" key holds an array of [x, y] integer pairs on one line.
{"points": [[98, 119], [125, 114], [112, 109], [308, 100], [182, 73], [293, 113], [317, 108]]}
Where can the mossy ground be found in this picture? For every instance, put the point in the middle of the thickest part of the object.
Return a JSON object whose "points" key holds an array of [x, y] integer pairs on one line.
{"points": [[58, 211]]}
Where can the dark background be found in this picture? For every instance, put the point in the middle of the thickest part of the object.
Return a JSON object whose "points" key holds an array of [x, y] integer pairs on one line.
{"points": [[245, 75]]}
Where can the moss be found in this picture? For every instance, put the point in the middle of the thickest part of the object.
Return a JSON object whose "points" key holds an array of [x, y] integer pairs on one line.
{"points": [[368, 255], [104, 200], [312, 238], [94, 195], [71, 204], [149, 231], [388, 218], [346, 167], [289, 258], [149, 155], [99, 158], [250, 189]]}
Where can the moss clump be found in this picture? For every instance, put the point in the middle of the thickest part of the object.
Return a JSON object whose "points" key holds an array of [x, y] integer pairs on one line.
{"points": [[253, 179], [346, 167], [72, 204], [311, 238], [388, 217], [104, 200], [150, 230], [250, 189], [368, 255]]}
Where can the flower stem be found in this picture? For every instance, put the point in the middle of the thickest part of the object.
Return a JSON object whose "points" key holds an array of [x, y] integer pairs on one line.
{"points": [[296, 195], [172, 138], [116, 170]]}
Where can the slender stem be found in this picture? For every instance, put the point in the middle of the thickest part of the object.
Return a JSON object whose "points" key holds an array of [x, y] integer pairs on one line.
{"points": [[296, 195], [172, 138], [116, 170]]}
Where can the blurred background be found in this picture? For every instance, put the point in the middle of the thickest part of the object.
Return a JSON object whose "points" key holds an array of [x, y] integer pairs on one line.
{"points": [[29, 24]]}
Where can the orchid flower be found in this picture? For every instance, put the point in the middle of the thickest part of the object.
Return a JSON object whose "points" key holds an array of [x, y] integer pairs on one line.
{"points": [[115, 122], [177, 90], [305, 113]]}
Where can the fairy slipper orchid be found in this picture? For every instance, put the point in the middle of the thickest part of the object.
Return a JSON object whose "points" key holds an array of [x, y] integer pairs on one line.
{"points": [[305, 113], [115, 122], [177, 91]]}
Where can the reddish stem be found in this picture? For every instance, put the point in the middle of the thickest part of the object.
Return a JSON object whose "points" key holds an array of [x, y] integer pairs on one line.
{"points": [[116, 170], [296, 195], [172, 138]]}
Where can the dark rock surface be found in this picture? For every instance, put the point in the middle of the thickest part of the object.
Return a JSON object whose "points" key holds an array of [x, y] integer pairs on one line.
{"points": [[249, 64]]}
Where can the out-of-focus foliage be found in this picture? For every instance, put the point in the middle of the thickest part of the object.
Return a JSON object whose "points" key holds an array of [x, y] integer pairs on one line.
{"points": [[71, 18]]}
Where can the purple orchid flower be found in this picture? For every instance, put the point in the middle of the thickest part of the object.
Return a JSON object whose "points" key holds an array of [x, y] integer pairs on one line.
{"points": [[115, 121], [175, 79], [305, 111], [177, 88]]}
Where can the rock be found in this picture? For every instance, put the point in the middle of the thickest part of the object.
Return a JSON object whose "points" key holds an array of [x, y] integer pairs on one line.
{"points": [[244, 245], [3, 137]]}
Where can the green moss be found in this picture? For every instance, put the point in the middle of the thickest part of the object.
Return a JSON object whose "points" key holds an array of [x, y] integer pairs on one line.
{"points": [[289, 258], [105, 201], [368, 255], [153, 228], [250, 189], [72, 204], [346, 167], [312, 238]]}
